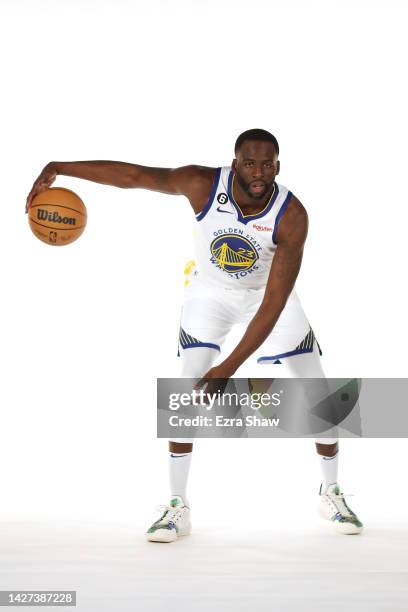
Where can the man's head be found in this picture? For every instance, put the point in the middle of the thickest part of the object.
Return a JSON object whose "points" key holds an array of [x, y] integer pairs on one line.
{"points": [[256, 162]]}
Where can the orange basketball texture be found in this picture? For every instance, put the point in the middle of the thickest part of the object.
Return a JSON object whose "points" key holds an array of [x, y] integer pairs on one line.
{"points": [[57, 216]]}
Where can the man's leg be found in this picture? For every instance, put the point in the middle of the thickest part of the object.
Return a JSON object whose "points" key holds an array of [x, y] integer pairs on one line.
{"points": [[333, 505], [205, 321], [308, 365], [196, 361], [176, 519]]}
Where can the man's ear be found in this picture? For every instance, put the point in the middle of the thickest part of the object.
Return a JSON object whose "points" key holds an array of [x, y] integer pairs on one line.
{"points": [[277, 167], [234, 164]]}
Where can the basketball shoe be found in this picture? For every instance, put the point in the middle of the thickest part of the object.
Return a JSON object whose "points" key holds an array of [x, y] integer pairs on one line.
{"points": [[173, 523], [334, 508]]}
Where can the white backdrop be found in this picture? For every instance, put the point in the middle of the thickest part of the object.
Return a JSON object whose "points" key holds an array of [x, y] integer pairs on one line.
{"points": [[87, 328]]}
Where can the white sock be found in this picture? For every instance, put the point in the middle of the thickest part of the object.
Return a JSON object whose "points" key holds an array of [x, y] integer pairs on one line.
{"points": [[329, 466], [179, 464]]}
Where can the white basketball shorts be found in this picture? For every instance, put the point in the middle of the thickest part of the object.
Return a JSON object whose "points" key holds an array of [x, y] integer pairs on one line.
{"points": [[209, 313]]}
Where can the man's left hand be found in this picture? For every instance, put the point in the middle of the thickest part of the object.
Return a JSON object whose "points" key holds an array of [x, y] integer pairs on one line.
{"points": [[216, 379]]}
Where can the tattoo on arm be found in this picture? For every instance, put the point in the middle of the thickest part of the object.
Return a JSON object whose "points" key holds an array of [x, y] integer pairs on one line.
{"points": [[287, 263]]}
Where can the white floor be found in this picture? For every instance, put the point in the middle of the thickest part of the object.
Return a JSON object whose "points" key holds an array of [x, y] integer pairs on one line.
{"points": [[113, 568]]}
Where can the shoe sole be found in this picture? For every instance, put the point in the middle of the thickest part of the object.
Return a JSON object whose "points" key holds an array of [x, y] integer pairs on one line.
{"points": [[167, 536], [342, 528]]}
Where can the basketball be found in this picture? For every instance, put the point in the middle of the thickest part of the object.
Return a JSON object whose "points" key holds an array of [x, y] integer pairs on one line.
{"points": [[57, 216]]}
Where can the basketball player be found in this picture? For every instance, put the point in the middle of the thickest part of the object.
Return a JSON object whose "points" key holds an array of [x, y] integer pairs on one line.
{"points": [[250, 233]]}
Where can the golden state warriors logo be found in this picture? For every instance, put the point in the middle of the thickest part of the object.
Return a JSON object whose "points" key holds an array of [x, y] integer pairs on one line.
{"points": [[233, 253]]}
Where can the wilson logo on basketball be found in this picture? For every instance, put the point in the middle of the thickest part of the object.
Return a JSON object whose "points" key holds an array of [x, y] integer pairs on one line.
{"points": [[262, 228], [54, 217]]}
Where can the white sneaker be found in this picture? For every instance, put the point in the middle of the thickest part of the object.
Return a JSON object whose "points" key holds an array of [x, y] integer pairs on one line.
{"points": [[174, 522], [334, 508]]}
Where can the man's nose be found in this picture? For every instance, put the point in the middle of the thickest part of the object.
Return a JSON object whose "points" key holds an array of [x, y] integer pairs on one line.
{"points": [[258, 172]]}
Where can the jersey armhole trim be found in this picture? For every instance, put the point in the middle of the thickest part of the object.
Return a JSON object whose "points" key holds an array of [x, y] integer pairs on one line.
{"points": [[200, 216], [280, 214]]}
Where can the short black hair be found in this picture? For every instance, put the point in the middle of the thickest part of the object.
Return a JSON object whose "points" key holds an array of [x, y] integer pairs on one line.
{"points": [[256, 134]]}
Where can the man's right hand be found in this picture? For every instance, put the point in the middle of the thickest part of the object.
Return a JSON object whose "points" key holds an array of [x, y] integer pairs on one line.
{"points": [[43, 182]]}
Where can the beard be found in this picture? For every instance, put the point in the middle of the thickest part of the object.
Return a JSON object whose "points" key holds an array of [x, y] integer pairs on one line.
{"points": [[246, 187]]}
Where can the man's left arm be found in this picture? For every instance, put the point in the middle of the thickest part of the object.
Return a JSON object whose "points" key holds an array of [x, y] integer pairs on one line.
{"points": [[291, 236]]}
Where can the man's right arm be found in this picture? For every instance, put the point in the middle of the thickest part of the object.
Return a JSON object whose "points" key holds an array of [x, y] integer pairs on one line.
{"points": [[194, 182]]}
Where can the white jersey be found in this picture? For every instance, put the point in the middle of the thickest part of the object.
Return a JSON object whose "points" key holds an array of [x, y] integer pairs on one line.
{"points": [[234, 250]]}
